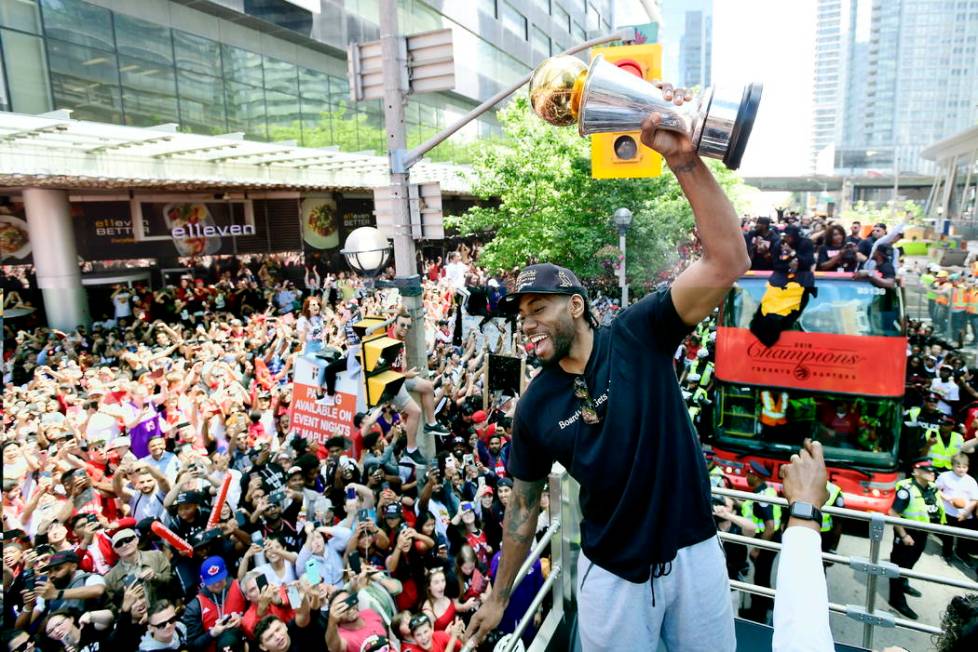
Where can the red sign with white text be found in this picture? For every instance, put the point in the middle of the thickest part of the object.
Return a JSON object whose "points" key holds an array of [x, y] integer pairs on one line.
{"points": [[870, 365], [318, 421]]}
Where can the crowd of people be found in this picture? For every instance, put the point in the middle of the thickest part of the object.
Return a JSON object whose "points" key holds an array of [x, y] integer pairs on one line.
{"points": [[121, 436], [155, 495]]}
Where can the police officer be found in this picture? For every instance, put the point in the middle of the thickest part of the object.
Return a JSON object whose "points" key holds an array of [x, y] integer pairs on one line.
{"points": [[916, 500], [946, 443], [921, 421], [767, 520]]}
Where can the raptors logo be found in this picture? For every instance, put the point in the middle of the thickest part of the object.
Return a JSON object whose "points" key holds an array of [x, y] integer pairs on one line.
{"points": [[801, 372]]}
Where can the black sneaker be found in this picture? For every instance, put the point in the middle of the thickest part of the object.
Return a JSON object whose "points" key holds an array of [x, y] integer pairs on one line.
{"points": [[417, 456], [905, 611], [437, 429]]}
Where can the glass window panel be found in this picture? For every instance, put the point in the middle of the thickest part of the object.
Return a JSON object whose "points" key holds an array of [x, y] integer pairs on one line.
{"points": [[137, 38], [146, 76], [284, 116], [345, 125], [144, 109], [513, 20], [313, 86], [242, 66], [86, 81], [371, 132], [78, 22], [26, 71], [540, 41], [281, 76], [246, 110], [579, 33], [562, 17], [196, 53], [488, 7], [201, 103], [339, 89], [20, 14], [316, 122]]}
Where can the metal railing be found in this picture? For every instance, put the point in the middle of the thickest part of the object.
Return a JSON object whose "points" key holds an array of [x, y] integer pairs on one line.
{"points": [[872, 567], [560, 583]]}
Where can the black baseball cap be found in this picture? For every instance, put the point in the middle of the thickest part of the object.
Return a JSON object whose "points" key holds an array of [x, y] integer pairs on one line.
{"points": [[545, 278], [759, 469], [62, 557]]}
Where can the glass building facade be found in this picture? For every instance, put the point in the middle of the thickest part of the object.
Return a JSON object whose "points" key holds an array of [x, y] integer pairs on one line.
{"points": [[906, 77], [274, 70]]}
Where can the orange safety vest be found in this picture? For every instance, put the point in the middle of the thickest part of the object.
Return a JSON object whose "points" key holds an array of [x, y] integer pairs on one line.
{"points": [[942, 298], [973, 301], [773, 411], [959, 299]]}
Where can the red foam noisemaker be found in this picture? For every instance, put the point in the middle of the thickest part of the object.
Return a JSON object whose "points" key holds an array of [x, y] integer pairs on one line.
{"points": [[168, 535], [222, 496]]}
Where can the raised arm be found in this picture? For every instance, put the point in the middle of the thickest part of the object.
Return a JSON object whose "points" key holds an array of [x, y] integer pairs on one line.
{"points": [[702, 286]]}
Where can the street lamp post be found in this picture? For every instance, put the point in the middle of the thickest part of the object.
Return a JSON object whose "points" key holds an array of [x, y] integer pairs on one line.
{"points": [[623, 220]]}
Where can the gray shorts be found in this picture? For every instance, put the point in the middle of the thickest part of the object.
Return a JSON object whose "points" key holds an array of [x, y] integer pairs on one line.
{"points": [[403, 396], [692, 609]]}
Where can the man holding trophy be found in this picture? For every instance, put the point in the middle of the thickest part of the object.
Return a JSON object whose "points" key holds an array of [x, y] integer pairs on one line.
{"points": [[607, 405]]}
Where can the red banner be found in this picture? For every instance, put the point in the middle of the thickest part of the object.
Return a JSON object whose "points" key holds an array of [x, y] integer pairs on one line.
{"points": [[870, 365], [318, 421]]}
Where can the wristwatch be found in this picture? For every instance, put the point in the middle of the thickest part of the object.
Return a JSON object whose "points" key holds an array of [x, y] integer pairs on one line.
{"points": [[805, 511]]}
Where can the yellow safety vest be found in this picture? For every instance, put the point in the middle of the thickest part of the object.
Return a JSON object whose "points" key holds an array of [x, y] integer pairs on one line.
{"points": [[704, 375], [834, 492], [918, 509], [747, 510], [941, 454]]}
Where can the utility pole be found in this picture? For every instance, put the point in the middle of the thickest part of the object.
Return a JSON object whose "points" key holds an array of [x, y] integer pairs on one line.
{"points": [[416, 64], [405, 260]]}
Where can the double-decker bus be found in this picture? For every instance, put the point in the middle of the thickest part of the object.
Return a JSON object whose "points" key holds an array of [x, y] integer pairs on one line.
{"points": [[837, 376]]}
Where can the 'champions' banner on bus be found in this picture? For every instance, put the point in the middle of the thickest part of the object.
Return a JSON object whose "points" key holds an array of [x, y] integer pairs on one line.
{"points": [[848, 364]]}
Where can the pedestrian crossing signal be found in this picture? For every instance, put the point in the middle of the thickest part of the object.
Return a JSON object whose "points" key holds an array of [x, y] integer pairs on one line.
{"points": [[377, 354]]}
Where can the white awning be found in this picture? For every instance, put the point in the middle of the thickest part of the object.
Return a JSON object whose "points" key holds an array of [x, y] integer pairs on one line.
{"points": [[52, 150], [963, 142]]}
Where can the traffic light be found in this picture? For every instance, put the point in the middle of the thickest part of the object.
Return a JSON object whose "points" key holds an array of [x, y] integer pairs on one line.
{"points": [[621, 155], [377, 353]]}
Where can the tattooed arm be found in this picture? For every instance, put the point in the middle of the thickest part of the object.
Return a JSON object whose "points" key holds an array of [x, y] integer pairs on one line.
{"points": [[519, 526]]}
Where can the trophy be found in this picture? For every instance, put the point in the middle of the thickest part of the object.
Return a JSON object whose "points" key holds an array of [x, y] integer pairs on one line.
{"points": [[605, 98]]}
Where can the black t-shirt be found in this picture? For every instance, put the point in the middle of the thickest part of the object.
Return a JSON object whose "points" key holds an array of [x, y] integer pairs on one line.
{"points": [[310, 637], [645, 492]]}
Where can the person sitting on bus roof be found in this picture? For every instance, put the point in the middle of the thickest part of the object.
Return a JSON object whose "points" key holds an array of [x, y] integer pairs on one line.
{"points": [[788, 290], [760, 244], [882, 258], [836, 254]]}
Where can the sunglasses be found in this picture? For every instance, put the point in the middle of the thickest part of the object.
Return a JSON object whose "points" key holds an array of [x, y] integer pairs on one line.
{"points": [[168, 621], [26, 645], [123, 542], [589, 412]]}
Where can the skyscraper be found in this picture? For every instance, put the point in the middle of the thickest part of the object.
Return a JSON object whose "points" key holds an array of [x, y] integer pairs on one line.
{"points": [[687, 39], [892, 77]]}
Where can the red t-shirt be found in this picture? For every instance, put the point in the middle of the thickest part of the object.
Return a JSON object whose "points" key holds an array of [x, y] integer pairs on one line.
{"points": [[372, 626], [250, 619], [439, 643]]}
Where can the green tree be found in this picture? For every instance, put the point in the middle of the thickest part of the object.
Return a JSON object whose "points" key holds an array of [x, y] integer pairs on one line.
{"points": [[550, 209], [873, 213]]}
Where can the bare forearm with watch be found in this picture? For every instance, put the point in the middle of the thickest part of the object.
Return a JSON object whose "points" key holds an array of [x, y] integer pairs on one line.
{"points": [[519, 527], [801, 608]]}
